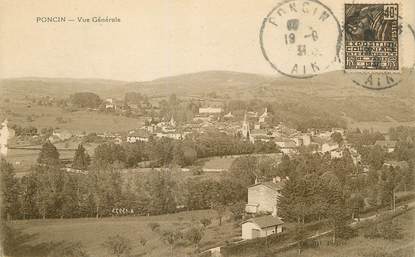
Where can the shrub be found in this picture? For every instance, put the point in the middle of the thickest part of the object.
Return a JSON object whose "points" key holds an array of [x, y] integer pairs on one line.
{"points": [[143, 241], [118, 246], [237, 210], [205, 222], [68, 249], [194, 235], [196, 170], [154, 226], [346, 232]]}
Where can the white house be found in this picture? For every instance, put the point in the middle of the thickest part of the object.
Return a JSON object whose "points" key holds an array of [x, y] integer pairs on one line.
{"points": [[263, 197], [138, 136], [261, 227]]}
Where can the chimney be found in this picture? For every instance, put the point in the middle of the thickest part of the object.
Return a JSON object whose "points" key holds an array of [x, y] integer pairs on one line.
{"points": [[274, 211]]}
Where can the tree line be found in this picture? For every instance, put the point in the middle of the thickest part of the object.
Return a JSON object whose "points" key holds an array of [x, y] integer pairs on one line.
{"points": [[165, 151], [49, 191]]}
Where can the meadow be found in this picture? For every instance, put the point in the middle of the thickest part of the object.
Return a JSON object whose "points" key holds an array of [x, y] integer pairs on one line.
{"points": [[93, 232], [24, 113]]}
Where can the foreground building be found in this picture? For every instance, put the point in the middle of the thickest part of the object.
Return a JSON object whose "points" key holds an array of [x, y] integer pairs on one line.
{"points": [[261, 227]]}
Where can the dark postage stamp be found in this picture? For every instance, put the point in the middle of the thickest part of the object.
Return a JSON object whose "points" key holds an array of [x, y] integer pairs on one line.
{"points": [[372, 37]]}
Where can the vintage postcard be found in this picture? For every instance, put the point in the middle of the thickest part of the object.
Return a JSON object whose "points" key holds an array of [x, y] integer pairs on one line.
{"points": [[220, 128]]}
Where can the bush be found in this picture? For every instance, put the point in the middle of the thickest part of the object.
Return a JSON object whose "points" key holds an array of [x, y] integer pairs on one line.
{"points": [[196, 170], [205, 222], [194, 235], [154, 226], [346, 232], [118, 246], [237, 210], [68, 249]]}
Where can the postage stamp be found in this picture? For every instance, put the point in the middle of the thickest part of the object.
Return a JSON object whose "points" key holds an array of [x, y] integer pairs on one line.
{"points": [[371, 37], [301, 38]]}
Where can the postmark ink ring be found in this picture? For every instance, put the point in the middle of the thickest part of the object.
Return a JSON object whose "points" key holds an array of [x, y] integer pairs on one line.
{"points": [[301, 38]]}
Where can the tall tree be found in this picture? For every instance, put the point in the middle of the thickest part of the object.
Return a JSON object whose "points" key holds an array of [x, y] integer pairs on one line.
{"points": [[81, 159], [171, 237], [109, 153], [160, 190], [48, 155], [9, 189], [244, 170]]}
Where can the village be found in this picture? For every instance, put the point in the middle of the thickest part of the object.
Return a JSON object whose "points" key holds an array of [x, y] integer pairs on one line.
{"points": [[178, 150]]}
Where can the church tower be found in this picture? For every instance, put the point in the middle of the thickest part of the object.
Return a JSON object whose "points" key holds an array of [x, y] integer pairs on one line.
{"points": [[246, 133]]}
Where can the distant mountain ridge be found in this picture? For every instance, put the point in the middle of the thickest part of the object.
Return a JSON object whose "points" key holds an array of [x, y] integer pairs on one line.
{"points": [[333, 91]]}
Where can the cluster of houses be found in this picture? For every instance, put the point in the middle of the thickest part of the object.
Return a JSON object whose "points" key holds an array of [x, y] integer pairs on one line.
{"points": [[253, 128]]}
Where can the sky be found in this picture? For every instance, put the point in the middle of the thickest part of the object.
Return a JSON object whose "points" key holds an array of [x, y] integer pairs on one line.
{"points": [[155, 38]]}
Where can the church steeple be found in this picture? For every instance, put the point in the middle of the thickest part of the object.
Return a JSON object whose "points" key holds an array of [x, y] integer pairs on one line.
{"points": [[246, 133]]}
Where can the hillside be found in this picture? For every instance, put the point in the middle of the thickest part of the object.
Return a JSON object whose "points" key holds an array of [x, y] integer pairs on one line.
{"points": [[333, 92]]}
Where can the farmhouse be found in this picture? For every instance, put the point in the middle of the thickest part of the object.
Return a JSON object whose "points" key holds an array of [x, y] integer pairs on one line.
{"points": [[263, 197], [261, 227]]}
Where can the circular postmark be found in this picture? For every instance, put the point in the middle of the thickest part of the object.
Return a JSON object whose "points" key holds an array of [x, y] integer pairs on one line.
{"points": [[387, 79], [301, 38]]}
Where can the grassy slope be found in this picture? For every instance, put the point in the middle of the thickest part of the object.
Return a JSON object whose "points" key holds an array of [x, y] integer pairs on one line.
{"points": [[92, 232], [356, 246]]}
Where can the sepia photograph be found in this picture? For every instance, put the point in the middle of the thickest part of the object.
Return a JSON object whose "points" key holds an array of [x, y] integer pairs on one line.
{"points": [[195, 128]]}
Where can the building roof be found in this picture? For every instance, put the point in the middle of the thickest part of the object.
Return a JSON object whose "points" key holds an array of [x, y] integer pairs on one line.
{"points": [[274, 186], [266, 221]]}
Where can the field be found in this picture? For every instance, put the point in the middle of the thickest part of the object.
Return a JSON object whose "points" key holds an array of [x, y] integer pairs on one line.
{"points": [[19, 111], [22, 160], [92, 233]]}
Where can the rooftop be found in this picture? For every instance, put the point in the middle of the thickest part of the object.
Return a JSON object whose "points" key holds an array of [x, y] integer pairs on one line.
{"points": [[277, 186], [266, 221]]}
